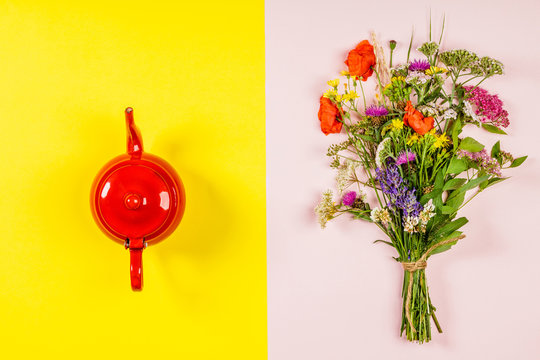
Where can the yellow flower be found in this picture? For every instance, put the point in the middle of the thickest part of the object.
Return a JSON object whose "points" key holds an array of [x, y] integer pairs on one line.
{"points": [[333, 83], [345, 73], [396, 78], [397, 124], [441, 141], [350, 96], [331, 93], [338, 98], [435, 70], [413, 139]]}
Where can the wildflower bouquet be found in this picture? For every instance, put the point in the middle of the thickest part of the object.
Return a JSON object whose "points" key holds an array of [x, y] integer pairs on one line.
{"points": [[407, 147]]}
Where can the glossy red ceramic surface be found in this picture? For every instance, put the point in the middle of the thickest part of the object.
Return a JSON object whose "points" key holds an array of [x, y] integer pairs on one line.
{"points": [[137, 199]]}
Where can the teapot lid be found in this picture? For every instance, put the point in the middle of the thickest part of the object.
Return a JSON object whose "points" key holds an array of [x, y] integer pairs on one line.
{"points": [[137, 195]]}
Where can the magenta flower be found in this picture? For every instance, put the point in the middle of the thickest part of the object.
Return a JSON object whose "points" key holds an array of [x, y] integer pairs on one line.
{"points": [[405, 157], [376, 110], [489, 108], [419, 65], [349, 198]]}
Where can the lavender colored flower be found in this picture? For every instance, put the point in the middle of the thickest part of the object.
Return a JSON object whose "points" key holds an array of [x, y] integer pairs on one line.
{"points": [[376, 110], [399, 195], [483, 159], [489, 108], [419, 65], [349, 198], [405, 157]]}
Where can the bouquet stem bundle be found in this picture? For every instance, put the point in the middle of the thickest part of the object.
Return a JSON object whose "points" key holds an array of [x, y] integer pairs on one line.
{"points": [[417, 307]]}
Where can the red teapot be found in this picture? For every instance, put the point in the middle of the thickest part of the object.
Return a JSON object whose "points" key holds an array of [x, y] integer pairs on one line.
{"points": [[137, 199]]}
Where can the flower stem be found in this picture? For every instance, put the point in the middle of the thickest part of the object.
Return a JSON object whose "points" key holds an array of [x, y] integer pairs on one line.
{"points": [[436, 321]]}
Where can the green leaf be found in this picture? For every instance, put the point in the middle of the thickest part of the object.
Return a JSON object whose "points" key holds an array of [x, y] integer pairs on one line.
{"points": [[453, 184], [457, 166], [474, 183], [410, 46], [483, 185], [492, 182], [455, 131], [365, 137], [442, 30], [496, 149], [438, 221], [430, 195], [446, 247], [384, 241], [455, 127], [437, 200], [469, 144], [455, 201], [518, 161], [439, 180], [447, 210], [493, 129], [450, 228], [388, 123], [365, 215]]}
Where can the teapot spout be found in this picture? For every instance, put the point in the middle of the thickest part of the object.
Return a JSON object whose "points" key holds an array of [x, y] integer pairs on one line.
{"points": [[134, 139]]}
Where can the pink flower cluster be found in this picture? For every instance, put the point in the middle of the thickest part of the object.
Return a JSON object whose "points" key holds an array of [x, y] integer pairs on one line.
{"points": [[485, 161], [488, 107]]}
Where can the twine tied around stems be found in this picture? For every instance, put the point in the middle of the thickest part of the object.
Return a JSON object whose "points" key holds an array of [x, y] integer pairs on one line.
{"points": [[420, 264]]}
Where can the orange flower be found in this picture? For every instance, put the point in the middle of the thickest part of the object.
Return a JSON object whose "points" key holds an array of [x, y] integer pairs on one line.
{"points": [[361, 60], [416, 120], [329, 117]]}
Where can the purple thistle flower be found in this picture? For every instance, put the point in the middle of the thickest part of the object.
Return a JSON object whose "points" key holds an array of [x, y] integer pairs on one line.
{"points": [[419, 65], [349, 198], [488, 107], [376, 110], [400, 197], [405, 157]]}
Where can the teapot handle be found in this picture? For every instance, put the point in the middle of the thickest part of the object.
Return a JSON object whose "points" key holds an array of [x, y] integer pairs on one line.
{"points": [[136, 247], [134, 138]]}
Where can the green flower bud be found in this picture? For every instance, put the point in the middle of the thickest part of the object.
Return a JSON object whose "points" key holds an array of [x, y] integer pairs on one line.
{"points": [[429, 48]]}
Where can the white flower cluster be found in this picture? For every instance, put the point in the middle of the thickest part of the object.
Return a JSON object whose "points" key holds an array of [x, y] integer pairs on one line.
{"points": [[449, 114], [399, 68], [417, 77], [469, 111], [380, 215], [410, 224], [418, 223], [438, 111], [383, 151], [325, 210], [427, 110], [346, 175]]}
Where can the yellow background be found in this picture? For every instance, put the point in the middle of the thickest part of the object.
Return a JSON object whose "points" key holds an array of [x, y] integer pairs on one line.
{"points": [[194, 73]]}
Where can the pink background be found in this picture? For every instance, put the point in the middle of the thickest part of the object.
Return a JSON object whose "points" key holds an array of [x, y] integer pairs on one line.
{"points": [[335, 295]]}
